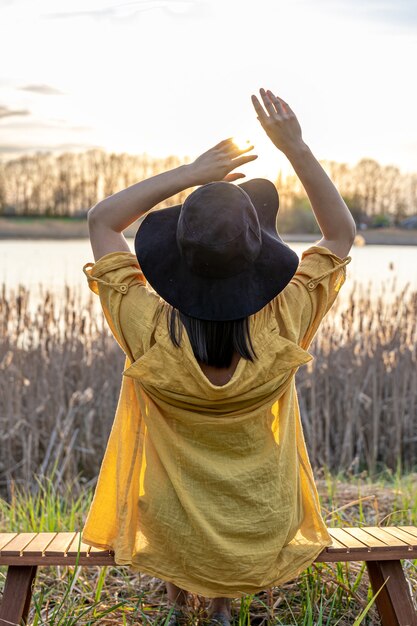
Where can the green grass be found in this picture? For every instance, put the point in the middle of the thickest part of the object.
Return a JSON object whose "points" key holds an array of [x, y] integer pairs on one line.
{"points": [[325, 594]]}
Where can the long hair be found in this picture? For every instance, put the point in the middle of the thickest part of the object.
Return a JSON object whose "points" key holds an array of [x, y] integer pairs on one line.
{"points": [[213, 343]]}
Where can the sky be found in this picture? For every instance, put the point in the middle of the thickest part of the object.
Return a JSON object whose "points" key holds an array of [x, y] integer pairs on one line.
{"points": [[167, 77]]}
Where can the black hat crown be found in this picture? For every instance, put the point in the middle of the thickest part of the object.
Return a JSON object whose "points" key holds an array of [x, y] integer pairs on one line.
{"points": [[218, 232], [218, 256]]}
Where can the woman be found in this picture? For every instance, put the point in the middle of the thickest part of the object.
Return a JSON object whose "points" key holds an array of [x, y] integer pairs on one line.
{"points": [[206, 481]]}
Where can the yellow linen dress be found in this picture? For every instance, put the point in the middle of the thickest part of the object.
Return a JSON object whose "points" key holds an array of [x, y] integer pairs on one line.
{"points": [[210, 487]]}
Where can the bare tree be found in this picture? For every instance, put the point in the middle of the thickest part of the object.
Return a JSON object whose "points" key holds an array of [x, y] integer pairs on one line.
{"points": [[71, 183]]}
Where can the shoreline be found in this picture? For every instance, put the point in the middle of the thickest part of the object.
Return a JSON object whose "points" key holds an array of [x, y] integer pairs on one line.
{"points": [[76, 228]]}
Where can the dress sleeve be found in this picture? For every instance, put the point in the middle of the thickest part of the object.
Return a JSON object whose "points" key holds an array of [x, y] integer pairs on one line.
{"points": [[128, 304], [310, 294]]}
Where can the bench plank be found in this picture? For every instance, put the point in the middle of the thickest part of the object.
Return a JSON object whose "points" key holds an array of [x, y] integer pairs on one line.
{"points": [[62, 559], [38, 545], [411, 530], [336, 546], [398, 533], [83, 548], [60, 544], [386, 537], [16, 545], [94, 550], [5, 538], [367, 538], [380, 547], [347, 540]]}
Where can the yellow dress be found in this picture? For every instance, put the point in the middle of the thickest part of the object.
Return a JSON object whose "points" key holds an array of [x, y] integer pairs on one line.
{"points": [[210, 487]]}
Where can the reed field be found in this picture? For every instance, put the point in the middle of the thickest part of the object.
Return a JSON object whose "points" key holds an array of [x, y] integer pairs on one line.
{"points": [[59, 385], [61, 375]]}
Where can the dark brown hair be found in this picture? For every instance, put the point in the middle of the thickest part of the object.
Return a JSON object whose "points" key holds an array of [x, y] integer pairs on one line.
{"points": [[213, 343]]}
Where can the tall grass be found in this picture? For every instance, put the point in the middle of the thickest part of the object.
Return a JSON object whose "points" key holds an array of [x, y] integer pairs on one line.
{"points": [[358, 398], [60, 376]]}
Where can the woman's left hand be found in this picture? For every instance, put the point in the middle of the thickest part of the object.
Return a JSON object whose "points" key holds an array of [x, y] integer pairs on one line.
{"points": [[217, 163]]}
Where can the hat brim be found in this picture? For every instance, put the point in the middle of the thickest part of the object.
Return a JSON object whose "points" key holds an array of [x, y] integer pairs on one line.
{"points": [[222, 299]]}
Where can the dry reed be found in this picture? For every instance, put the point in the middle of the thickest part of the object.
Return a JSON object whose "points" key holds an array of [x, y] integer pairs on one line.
{"points": [[60, 375]]}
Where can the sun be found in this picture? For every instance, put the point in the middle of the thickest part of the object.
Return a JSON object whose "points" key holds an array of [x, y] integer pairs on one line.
{"points": [[241, 143]]}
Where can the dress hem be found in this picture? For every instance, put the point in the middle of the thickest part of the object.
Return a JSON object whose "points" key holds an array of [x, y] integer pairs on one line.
{"points": [[203, 591]]}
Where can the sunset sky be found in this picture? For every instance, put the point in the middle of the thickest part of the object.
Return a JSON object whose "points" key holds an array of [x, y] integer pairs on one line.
{"points": [[175, 76]]}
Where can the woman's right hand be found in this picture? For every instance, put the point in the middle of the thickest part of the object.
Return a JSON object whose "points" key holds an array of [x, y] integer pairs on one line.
{"points": [[278, 121]]}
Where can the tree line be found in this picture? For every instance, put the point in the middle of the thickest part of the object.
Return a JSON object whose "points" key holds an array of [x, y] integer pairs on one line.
{"points": [[69, 184]]}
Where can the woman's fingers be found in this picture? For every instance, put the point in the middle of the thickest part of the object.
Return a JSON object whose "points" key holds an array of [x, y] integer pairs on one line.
{"points": [[262, 116], [233, 152], [284, 105], [267, 102], [244, 159], [231, 149], [273, 104], [276, 102], [281, 125], [230, 178], [224, 143], [236, 150]]}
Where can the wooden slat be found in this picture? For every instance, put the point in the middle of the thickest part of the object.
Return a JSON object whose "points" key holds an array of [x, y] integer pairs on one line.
{"points": [[366, 538], [5, 538], [61, 559], [412, 530], [401, 534], [84, 548], [58, 548], [94, 550], [381, 533], [336, 546], [363, 547], [347, 540], [59, 544], [38, 545], [16, 545]]}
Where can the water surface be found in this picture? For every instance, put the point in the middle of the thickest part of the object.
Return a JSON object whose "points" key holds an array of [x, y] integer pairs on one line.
{"points": [[52, 264]]}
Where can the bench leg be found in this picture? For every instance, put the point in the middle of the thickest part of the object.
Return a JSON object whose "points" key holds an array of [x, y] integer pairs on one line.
{"points": [[394, 602], [17, 594]]}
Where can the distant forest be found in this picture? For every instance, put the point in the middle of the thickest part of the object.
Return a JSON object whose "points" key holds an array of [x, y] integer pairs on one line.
{"points": [[69, 184]]}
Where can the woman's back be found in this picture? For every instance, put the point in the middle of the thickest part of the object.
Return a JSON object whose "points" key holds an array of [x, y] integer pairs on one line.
{"points": [[202, 463]]}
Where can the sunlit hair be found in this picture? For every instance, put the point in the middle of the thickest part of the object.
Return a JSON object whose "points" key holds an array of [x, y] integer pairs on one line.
{"points": [[213, 343]]}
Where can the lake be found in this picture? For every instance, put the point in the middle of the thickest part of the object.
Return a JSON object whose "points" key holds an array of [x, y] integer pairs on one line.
{"points": [[51, 264]]}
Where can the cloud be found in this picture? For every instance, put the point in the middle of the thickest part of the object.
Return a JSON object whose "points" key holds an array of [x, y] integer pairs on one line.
{"points": [[7, 112], [174, 8], [388, 12], [45, 90]]}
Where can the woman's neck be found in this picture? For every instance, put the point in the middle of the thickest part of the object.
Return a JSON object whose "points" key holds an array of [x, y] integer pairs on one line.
{"points": [[220, 375]]}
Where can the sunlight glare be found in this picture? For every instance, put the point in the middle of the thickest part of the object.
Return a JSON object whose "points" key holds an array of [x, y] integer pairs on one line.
{"points": [[241, 143]]}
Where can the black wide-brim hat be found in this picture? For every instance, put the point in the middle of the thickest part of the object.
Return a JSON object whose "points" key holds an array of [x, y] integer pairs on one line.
{"points": [[170, 268]]}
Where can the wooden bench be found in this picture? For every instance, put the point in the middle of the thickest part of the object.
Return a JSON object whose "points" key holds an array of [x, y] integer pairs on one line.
{"points": [[380, 547]]}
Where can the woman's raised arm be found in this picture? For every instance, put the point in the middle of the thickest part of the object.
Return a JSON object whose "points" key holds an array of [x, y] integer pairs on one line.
{"points": [[109, 217], [333, 216], [121, 209]]}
